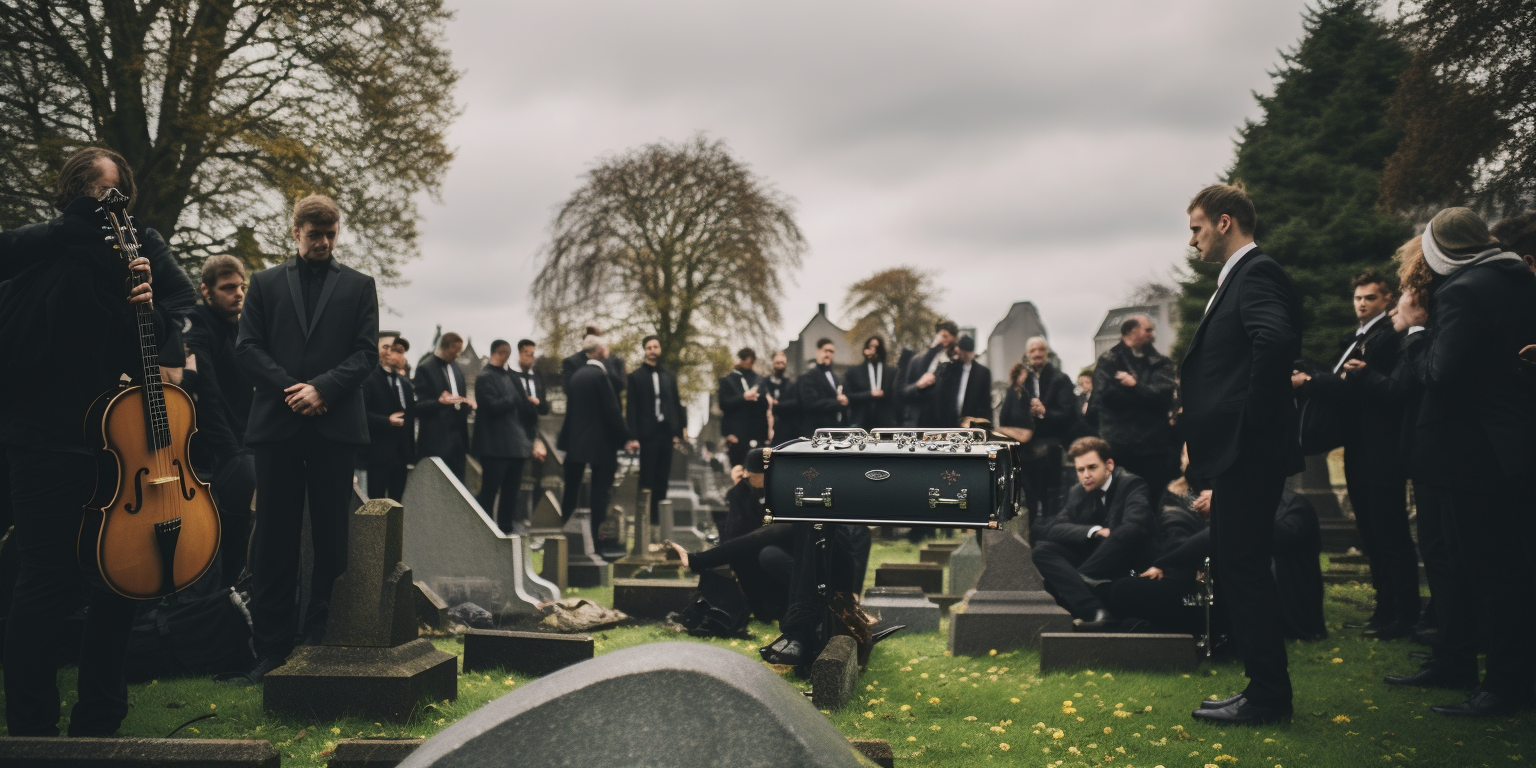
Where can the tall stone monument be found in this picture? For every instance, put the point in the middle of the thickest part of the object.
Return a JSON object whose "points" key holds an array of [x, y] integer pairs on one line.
{"points": [[370, 662], [1009, 607]]}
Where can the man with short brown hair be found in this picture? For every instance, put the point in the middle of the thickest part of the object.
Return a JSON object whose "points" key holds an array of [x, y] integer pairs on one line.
{"points": [[443, 405]]}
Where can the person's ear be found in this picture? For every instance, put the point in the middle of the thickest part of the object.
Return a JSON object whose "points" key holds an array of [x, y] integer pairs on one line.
{"points": [[1109, 464]]}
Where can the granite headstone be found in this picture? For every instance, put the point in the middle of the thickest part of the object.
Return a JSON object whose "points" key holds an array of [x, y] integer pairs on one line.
{"points": [[1009, 607]]}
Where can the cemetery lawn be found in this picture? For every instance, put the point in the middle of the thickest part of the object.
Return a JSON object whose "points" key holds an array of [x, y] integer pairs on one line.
{"points": [[938, 710]]}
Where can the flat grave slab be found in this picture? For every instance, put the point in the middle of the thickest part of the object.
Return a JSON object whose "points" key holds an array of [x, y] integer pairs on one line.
{"points": [[877, 751], [652, 598], [531, 653], [372, 753], [928, 576], [1071, 651], [54, 752], [902, 605]]}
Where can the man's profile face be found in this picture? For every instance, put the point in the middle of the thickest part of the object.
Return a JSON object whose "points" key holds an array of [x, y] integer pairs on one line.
{"points": [[397, 356], [1141, 336], [315, 241], [825, 352], [652, 351], [1092, 471], [1371, 300], [780, 362], [1209, 238], [525, 357], [1038, 354], [387, 351], [500, 356], [227, 294], [451, 353], [1086, 383]]}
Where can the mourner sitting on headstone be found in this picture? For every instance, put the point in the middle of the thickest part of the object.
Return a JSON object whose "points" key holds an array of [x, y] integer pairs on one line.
{"points": [[1100, 534]]}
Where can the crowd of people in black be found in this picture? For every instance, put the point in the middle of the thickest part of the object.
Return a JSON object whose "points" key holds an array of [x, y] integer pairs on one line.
{"points": [[1133, 477]]}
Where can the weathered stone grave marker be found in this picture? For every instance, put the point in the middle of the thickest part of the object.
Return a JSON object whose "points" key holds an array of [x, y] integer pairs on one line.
{"points": [[1009, 607]]}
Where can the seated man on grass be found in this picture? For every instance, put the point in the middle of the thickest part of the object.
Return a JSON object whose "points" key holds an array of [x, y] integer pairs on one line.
{"points": [[1101, 533]]}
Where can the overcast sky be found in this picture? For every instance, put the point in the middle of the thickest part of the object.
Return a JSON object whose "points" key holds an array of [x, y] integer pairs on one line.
{"points": [[1023, 150]]}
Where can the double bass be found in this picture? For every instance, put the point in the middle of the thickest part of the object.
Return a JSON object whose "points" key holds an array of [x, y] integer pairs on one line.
{"points": [[151, 528]]}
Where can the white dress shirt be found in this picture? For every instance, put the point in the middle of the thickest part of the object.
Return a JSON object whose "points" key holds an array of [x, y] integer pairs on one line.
{"points": [[1226, 269], [1359, 334], [1105, 498], [965, 378]]}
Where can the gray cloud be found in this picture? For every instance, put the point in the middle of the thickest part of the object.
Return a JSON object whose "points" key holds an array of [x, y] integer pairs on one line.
{"points": [[1026, 151]]}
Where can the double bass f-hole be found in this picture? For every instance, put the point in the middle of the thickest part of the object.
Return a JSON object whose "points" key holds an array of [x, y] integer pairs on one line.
{"points": [[186, 493], [138, 492]]}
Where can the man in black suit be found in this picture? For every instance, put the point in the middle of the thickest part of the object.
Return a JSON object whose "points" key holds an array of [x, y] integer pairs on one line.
{"points": [[783, 401], [593, 433], [872, 389], [1240, 423], [510, 400], [1101, 534], [1477, 421], [656, 419], [919, 391], [967, 387], [1372, 461], [223, 395], [443, 405], [822, 402], [744, 408], [1057, 423], [1133, 392], [390, 401], [612, 363], [308, 339]]}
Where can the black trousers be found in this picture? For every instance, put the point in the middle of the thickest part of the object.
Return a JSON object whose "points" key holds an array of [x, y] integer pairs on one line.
{"points": [[656, 469], [48, 489], [1160, 602], [233, 486], [1489, 529], [1378, 493], [1433, 549], [503, 476], [1063, 566], [736, 453], [1042, 477], [1158, 468], [602, 489], [386, 480], [287, 473], [834, 567], [1243, 503], [763, 566]]}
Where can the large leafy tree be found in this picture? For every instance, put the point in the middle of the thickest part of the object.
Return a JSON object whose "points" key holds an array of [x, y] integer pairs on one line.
{"points": [[680, 240], [228, 110], [1313, 165], [897, 302]]}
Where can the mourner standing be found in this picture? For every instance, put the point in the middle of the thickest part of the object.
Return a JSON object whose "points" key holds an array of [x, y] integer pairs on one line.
{"points": [[920, 393], [501, 442], [872, 389], [822, 402], [783, 401], [443, 405], [743, 407], [968, 389], [593, 434], [1133, 392], [390, 402], [657, 421]]}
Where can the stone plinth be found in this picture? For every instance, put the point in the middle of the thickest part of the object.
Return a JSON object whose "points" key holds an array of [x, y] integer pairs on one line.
{"points": [[937, 553], [372, 753], [902, 605], [54, 752], [327, 682], [877, 751], [374, 601], [531, 653], [652, 598], [557, 562], [431, 610], [927, 576], [584, 566], [835, 674], [1009, 607], [1075, 651], [965, 566]]}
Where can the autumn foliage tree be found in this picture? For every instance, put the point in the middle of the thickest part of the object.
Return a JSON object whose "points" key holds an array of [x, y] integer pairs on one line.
{"points": [[679, 240], [897, 303], [228, 110]]}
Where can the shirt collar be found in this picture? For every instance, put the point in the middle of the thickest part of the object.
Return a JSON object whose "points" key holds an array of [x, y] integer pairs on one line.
{"points": [[1107, 482], [1364, 329], [1226, 269], [598, 363]]}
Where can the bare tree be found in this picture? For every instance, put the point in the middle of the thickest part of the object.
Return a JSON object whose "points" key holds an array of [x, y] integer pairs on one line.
{"points": [[897, 302], [228, 110], [678, 240]]}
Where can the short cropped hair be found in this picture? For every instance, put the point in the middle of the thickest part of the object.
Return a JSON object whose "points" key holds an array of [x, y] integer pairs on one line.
{"points": [[318, 210], [498, 344], [220, 266], [448, 340], [1086, 445], [746, 353], [947, 325], [822, 343], [1372, 277], [1232, 200], [524, 344], [649, 339], [78, 176]]}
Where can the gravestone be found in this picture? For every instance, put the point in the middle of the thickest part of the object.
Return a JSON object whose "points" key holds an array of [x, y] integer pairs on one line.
{"points": [[1075, 651], [652, 598], [372, 753], [1339, 532], [965, 566], [557, 562], [54, 752], [640, 557], [679, 516], [902, 605], [835, 674], [448, 537], [370, 662], [431, 609], [928, 577], [545, 520], [584, 566], [937, 553], [1009, 607], [531, 653], [673, 704]]}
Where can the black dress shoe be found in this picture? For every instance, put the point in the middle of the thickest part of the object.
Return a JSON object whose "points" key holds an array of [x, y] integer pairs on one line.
{"points": [[1389, 632], [1101, 621], [1224, 703], [1480, 704], [783, 651], [1372, 624], [256, 673], [1433, 677], [1421, 655], [1243, 712]]}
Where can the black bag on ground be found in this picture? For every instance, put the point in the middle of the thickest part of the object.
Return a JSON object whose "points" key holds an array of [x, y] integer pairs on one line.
{"points": [[717, 609], [207, 635]]}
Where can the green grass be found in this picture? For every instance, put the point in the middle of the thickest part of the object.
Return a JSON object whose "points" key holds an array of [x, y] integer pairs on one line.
{"points": [[1345, 715]]}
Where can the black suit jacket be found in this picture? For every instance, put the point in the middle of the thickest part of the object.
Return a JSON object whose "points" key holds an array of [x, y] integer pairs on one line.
{"points": [[978, 394], [642, 405], [335, 350], [1236, 378], [1135, 419], [1478, 402], [866, 411], [1373, 409], [1062, 422], [387, 443], [786, 407], [923, 405], [819, 408], [594, 429], [505, 422], [613, 364], [222, 389], [1126, 505], [440, 423], [746, 419]]}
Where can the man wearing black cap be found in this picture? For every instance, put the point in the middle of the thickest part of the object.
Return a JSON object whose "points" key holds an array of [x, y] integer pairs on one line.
{"points": [[967, 392], [390, 403]]}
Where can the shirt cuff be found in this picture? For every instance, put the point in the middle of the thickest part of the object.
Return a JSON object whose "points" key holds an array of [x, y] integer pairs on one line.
{"points": [[1093, 530], [1414, 329]]}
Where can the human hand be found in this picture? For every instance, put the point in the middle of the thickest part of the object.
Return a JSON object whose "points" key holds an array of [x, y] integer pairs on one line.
{"points": [[1202, 504], [1529, 353], [842, 399], [1354, 364], [751, 395], [1298, 378], [737, 473], [1154, 573], [141, 294], [468, 402], [448, 398], [539, 450], [926, 380], [1125, 378], [397, 419], [192, 362], [1036, 408], [1102, 533], [877, 393], [533, 400], [304, 399], [632, 446], [731, 439]]}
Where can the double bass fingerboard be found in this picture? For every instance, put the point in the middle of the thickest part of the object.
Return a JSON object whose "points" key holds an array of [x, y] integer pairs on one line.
{"points": [[157, 421]]}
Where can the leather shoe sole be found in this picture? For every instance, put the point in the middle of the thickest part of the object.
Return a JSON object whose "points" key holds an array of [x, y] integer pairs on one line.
{"points": [[1480, 704], [1243, 713], [1222, 704]]}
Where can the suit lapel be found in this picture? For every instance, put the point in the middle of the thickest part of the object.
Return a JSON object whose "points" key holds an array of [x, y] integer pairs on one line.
{"points": [[1221, 293], [332, 276], [297, 291]]}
